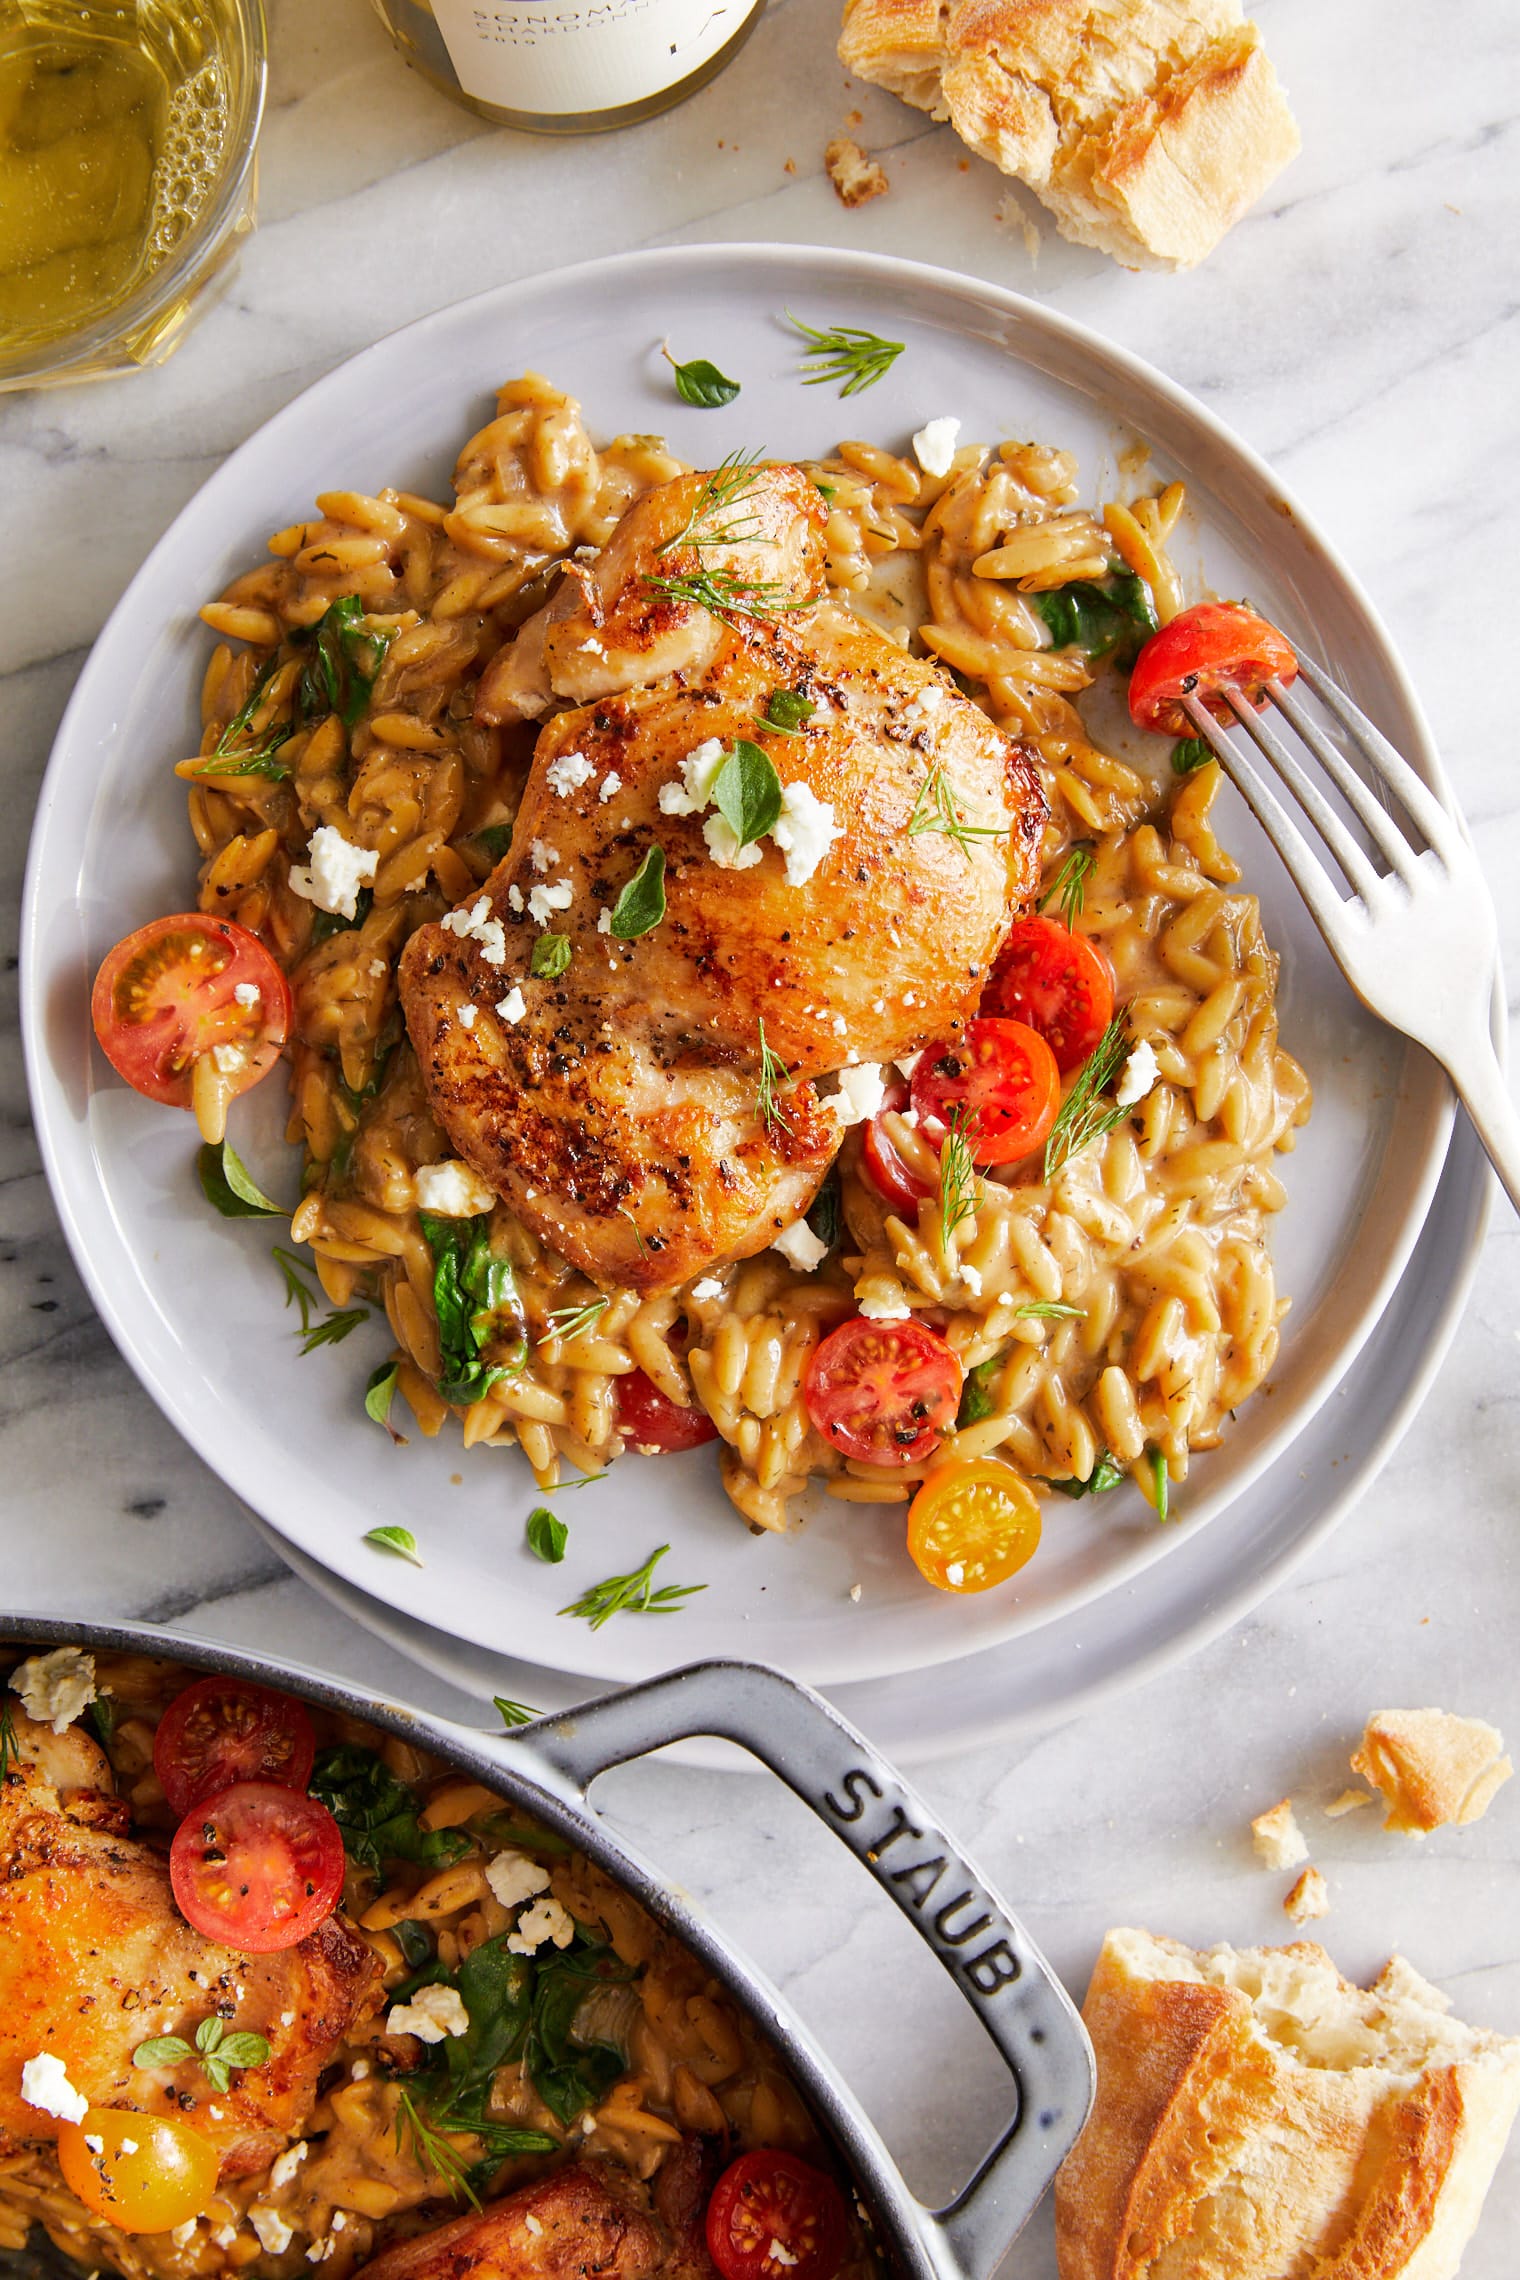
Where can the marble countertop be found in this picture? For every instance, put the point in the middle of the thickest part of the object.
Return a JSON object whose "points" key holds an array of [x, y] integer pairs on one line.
{"points": [[1358, 330]]}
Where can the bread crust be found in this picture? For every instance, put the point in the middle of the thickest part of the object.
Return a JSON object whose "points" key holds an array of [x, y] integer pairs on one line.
{"points": [[1432, 1767]]}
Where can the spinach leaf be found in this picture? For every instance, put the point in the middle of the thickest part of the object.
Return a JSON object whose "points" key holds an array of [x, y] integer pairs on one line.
{"points": [[496, 1988], [1104, 1475], [377, 1814], [567, 2077], [345, 661], [415, 1942], [979, 1393], [329, 922], [1116, 615], [475, 1295]]}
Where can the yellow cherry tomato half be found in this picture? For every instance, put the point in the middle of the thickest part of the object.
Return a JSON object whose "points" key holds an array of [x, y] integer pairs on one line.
{"points": [[142, 2173], [972, 1525]]}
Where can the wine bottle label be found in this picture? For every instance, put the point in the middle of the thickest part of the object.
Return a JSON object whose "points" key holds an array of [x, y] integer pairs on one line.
{"points": [[560, 56]]}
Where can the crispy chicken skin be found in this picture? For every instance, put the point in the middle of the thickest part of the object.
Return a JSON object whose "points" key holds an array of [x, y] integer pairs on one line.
{"points": [[619, 1115], [582, 2221], [95, 1958]]}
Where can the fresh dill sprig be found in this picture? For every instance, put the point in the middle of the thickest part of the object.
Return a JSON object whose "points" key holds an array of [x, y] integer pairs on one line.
{"points": [[638, 1232], [1069, 886], [710, 523], [957, 1176], [631, 1595], [724, 593], [224, 759], [846, 353], [935, 810], [773, 1071], [1084, 1115], [515, 1713], [432, 2151], [334, 1327], [725, 487], [299, 1293], [567, 1322], [1048, 1310]]}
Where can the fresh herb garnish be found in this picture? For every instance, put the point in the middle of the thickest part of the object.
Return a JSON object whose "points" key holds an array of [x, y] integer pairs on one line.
{"points": [[935, 810], [1117, 615], [641, 905], [1049, 1310], [475, 1299], [344, 665], [229, 1185], [1106, 1474], [552, 953], [398, 1540], [846, 353], [567, 1322], [1084, 1116], [979, 1394], [495, 838], [746, 791], [547, 1535], [299, 1293], [957, 1176], [377, 1814], [785, 712], [631, 1595], [726, 593], [1069, 886], [326, 923], [217, 2051], [102, 1713], [334, 1328], [1189, 753], [700, 383], [431, 2151], [514, 1714], [8, 1749], [225, 759], [825, 1220], [1160, 1482], [379, 1393], [773, 1070], [569, 2075], [722, 592]]}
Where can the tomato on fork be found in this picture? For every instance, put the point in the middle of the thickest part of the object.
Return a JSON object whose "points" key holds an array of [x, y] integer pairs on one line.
{"points": [[1057, 982], [1212, 646], [656, 1425], [884, 1393], [222, 1730], [144, 2173], [1000, 1080], [773, 2217], [257, 1866], [184, 988]]}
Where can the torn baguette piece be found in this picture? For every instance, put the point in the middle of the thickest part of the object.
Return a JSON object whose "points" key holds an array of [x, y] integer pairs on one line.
{"points": [[1257, 2114], [1432, 1767], [1309, 1898], [1146, 126], [854, 173], [1277, 1838]]}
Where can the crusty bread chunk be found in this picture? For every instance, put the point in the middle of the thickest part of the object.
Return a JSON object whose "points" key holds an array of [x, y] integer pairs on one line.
{"points": [[1309, 1898], [1259, 2116], [1432, 1767], [1146, 126], [1277, 1837]]}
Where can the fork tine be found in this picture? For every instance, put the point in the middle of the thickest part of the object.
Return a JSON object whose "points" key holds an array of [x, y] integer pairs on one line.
{"points": [[1380, 826], [1415, 796], [1360, 875], [1302, 864]]}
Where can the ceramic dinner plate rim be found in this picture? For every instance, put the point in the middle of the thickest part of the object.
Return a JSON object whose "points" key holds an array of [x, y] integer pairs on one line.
{"points": [[881, 274]]}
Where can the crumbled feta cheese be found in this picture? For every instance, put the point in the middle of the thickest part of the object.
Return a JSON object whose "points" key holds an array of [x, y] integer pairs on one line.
{"points": [[515, 898], [541, 855], [339, 2219], [95, 2144], [247, 993], [955, 1574], [334, 873], [591, 647], [275, 2235], [513, 1877], [55, 1687], [467, 1015], [45, 2084], [285, 2165], [569, 770], [692, 793], [883, 1300], [477, 925], [724, 848], [287, 2018], [359, 2071], [972, 1278], [377, 969], [545, 1920], [908, 1064], [229, 1058], [925, 709], [544, 901], [804, 831], [1140, 1073], [610, 785], [129, 2145], [532, 2224], [708, 1287], [223, 2236], [604, 923], [321, 2250], [432, 2013], [861, 1093], [452, 1190], [513, 1006], [780, 2254], [934, 445], [183, 2235], [800, 1247]]}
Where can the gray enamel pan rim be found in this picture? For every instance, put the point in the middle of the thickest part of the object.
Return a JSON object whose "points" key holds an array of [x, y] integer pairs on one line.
{"points": [[549, 1766]]}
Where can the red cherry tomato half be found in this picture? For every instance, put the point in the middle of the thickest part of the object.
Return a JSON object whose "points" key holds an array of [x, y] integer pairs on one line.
{"points": [[1058, 983], [768, 2200], [257, 1866], [894, 1181], [1001, 1079], [168, 994], [655, 1423], [1214, 645], [883, 1392], [222, 1730]]}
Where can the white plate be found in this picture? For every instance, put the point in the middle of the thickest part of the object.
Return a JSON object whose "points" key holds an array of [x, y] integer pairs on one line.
{"points": [[193, 1301]]}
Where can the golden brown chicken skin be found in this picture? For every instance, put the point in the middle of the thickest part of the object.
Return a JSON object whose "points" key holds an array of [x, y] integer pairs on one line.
{"points": [[584, 2220], [95, 1958], [619, 1112]]}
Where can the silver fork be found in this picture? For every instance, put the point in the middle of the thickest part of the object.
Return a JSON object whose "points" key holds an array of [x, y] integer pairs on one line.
{"points": [[1419, 942]]}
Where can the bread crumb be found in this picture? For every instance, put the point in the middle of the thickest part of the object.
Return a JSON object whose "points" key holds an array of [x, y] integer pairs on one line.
{"points": [[1433, 1768], [1009, 214], [1347, 1802], [1277, 1837], [1309, 1898], [789, 166], [855, 176]]}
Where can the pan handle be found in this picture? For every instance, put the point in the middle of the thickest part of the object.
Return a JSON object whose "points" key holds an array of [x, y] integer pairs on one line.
{"points": [[980, 1943]]}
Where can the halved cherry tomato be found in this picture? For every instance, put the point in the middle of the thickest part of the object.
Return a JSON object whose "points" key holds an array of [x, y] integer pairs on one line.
{"points": [[1212, 646], [148, 2175], [257, 1866], [168, 995], [1058, 982], [894, 1181], [222, 1730], [656, 1424], [972, 1525], [883, 1392], [1002, 1078], [768, 2201]]}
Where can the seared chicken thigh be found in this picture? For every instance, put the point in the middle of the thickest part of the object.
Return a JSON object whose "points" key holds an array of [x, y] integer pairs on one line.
{"points": [[587, 2219], [622, 1106]]}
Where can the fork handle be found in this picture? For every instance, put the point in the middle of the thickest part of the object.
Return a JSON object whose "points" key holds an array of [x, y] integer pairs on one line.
{"points": [[1473, 1067]]}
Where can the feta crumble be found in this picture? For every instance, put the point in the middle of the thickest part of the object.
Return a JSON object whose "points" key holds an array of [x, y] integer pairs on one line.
{"points": [[724, 848], [432, 2013], [972, 1278], [925, 709], [609, 787], [285, 2165], [541, 855], [228, 1059], [452, 1190], [908, 1063], [515, 898], [1140, 1073], [55, 1687], [861, 1093], [699, 770], [183, 2235], [569, 770], [377, 969], [45, 2084], [544, 901], [478, 926], [708, 1287], [335, 871], [800, 1247], [883, 1300], [934, 445], [545, 1920], [780, 2254], [513, 1877], [513, 1006], [275, 2235], [533, 2225], [604, 923], [466, 1016], [247, 993], [804, 831]]}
